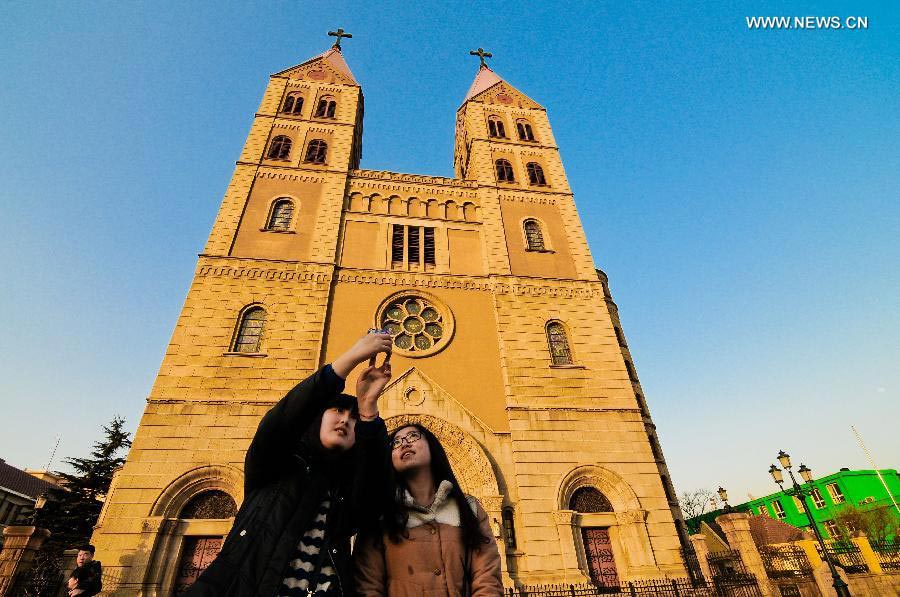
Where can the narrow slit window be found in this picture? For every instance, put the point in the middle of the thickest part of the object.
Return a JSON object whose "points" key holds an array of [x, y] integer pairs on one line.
{"points": [[250, 330], [428, 246], [533, 236], [282, 213], [558, 344]]}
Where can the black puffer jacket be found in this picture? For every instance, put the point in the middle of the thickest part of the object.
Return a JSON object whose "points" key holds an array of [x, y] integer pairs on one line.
{"points": [[284, 484]]}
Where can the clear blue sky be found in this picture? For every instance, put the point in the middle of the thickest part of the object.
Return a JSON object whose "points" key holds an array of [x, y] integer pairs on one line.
{"points": [[739, 187]]}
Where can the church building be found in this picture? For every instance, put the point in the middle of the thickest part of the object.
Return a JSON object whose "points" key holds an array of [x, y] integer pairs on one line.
{"points": [[507, 342]]}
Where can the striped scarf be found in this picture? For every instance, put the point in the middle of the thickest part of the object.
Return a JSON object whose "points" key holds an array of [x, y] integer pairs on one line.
{"points": [[302, 569]]}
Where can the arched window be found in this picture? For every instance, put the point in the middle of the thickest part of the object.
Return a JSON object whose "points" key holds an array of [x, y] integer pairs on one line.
{"points": [[293, 103], [316, 151], [523, 127], [558, 344], [326, 107], [535, 174], [533, 236], [282, 212], [209, 504], [504, 171], [589, 500], [509, 528], [280, 149], [250, 330], [496, 128]]}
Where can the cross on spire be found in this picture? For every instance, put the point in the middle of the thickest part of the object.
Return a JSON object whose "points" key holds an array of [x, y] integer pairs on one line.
{"points": [[339, 34], [481, 56]]}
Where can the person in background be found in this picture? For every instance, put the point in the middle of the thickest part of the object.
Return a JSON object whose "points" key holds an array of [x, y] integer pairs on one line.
{"points": [[86, 579]]}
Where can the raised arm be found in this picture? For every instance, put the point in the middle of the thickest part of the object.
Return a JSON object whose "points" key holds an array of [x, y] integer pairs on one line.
{"points": [[281, 427]]}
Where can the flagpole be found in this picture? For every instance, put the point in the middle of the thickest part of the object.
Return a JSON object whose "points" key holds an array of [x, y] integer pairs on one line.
{"points": [[872, 462]]}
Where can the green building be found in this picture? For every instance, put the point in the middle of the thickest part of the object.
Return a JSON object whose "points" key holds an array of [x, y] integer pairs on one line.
{"points": [[831, 494]]}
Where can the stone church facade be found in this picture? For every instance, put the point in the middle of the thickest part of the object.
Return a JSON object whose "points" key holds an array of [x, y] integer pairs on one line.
{"points": [[507, 341]]}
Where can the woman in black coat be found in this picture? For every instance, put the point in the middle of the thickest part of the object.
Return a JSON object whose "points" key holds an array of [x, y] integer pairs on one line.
{"points": [[309, 475]]}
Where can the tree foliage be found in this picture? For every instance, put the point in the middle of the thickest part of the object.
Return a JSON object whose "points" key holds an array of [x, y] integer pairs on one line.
{"points": [[877, 522], [71, 512], [694, 503]]}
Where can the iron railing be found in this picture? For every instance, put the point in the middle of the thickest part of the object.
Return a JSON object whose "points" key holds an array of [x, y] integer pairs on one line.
{"points": [[888, 553], [846, 555], [785, 561]]}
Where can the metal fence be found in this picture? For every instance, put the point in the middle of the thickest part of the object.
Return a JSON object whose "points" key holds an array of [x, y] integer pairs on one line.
{"points": [[888, 553], [734, 585], [846, 555], [692, 563], [785, 561]]}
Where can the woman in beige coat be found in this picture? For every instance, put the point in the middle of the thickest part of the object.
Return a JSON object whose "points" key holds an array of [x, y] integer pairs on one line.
{"points": [[434, 540]]}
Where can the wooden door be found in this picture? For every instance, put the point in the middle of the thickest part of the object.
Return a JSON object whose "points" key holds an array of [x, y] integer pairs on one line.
{"points": [[598, 550], [197, 555]]}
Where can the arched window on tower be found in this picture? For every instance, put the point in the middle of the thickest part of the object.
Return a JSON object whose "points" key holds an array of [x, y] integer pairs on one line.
{"points": [[282, 213], [209, 504], [496, 128], [588, 500], [248, 336], [509, 528], [535, 174], [280, 148], [326, 107], [533, 236], [504, 171], [293, 104], [316, 151], [558, 344], [523, 127]]}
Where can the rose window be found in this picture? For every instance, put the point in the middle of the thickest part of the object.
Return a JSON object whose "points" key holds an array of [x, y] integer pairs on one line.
{"points": [[417, 324]]}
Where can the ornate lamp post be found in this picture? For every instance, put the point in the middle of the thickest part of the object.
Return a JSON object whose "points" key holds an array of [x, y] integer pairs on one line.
{"points": [[801, 493], [723, 495]]}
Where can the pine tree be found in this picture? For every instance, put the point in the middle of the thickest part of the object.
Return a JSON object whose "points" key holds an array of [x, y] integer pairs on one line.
{"points": [[71, 513]]}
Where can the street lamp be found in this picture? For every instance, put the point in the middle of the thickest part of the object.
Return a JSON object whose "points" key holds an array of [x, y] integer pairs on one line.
{"points": [[723, 495], [801, 493]]}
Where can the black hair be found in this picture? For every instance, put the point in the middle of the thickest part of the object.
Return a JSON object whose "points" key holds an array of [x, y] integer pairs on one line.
{"points": [[87, 547], [396, 514]]}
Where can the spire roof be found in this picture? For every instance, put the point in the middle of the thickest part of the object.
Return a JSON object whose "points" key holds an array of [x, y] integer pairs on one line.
{"points": [[485, 79], [333, 58]]}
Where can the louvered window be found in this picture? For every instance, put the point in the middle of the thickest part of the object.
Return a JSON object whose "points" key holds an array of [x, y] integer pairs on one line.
{"points": [[397, 245], [428, 249], [558, 344], [413, 245], [280, 149], [282, 212], [250, 330], [533, 236]]}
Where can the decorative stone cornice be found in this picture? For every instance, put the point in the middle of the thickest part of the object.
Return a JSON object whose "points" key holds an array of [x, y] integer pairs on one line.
{"points": [[631, 516], [266, 173], [412, 178]]}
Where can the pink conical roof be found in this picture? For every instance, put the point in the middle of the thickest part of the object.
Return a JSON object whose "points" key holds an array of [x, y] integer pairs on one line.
{"points": [[485, 79], [335, 60]]}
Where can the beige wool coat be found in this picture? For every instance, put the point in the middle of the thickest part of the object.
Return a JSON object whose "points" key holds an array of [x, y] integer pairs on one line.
{"points": [[429, 562]]}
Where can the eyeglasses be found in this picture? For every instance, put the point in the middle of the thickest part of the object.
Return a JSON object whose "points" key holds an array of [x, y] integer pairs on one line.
{"points": [[407, 440]]}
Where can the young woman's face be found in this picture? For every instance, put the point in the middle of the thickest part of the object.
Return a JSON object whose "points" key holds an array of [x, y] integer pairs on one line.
{"points": [[409, 450], [338, 429]]}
